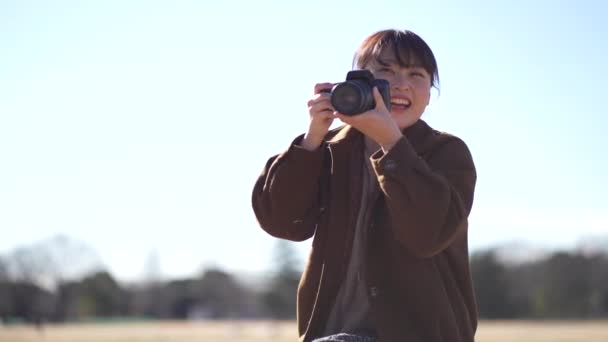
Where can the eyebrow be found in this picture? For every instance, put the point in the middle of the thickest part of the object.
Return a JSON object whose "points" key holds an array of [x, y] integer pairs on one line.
{"points": [[387, 62], [391, 61]]}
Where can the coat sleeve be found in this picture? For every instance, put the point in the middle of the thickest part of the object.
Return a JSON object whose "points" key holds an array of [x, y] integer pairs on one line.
{"points": [[428, 200], [285, 198]]}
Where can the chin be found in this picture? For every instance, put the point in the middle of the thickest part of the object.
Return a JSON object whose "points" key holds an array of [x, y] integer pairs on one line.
{"points": [[401, 118]]}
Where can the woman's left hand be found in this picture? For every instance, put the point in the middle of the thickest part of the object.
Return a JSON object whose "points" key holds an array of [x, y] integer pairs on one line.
{"points": [[376, 123]]}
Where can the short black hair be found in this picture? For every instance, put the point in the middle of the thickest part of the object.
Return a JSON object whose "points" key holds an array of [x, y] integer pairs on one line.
{"points": [[409, 49]]}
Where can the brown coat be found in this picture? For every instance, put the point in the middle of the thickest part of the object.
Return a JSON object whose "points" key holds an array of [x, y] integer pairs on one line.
{"points": [[418, 277]]}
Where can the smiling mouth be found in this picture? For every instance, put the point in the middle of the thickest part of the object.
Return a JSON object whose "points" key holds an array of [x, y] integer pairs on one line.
{"points": [[401, 104]]}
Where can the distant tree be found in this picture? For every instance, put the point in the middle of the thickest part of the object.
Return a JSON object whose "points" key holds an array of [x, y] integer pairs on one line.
{"points": [[177, 299], [30, 265], [6, 300], [524, 281], [51, 261], [219, 295], [565, 285], [20, 296], [599, 284], [567, 288], [146, 295], [6, 304], [4, 273], [280, 298], [67, 308], [491, 282], [32, 303], [101, 296]]}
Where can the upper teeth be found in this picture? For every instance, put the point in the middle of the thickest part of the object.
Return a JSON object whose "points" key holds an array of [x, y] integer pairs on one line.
{"points": [[400, 101]]}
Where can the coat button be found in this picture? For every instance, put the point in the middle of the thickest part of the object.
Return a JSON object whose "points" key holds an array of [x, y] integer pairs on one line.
{"points": [[373, 291], [390, 165]]}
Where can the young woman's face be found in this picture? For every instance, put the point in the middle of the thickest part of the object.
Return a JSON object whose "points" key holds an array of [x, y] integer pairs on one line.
{"points": [[410, 87]]}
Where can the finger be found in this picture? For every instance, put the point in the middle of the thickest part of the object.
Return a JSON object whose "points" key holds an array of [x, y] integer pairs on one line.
{"points": [[320, 87], [379, 100], [347, 119], [317, 98], [325, 113], [321, 97], [320, 103]]}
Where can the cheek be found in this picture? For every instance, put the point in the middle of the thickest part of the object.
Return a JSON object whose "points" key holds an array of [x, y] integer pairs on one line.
{"points": [[424, 94]]}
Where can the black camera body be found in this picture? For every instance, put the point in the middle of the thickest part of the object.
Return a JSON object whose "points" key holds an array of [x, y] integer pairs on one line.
{"points": [[355, 96]]}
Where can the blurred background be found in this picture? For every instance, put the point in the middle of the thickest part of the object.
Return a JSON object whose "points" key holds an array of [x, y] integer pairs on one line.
{"points": [[132, 132]]}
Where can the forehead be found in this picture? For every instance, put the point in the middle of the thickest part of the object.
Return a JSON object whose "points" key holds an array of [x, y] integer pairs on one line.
{"points": [[404, 56]]}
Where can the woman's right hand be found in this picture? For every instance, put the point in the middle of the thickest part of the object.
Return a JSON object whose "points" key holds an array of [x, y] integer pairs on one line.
{"points": [[321, 115]]}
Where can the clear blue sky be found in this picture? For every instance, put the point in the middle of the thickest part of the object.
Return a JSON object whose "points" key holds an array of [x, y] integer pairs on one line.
{"points": [[142, 125]]}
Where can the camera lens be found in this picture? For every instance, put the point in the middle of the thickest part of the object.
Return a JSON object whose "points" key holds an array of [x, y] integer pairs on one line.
{"points": [[350, 97]]}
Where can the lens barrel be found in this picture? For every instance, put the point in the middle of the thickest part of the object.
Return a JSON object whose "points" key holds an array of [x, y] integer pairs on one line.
{"points": [[352, 97]]}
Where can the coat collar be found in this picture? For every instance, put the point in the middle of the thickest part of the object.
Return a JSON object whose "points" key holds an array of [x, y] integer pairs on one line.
{"points": [[342, 133], [416, 134]]}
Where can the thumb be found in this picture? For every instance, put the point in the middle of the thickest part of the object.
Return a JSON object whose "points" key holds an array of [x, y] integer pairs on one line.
{"points": [[379, 100]]}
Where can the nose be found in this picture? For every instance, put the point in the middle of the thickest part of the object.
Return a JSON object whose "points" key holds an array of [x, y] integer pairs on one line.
{"points": [[401, 83]]}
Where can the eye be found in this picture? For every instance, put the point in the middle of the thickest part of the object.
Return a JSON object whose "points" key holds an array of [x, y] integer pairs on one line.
{"points": [[418, 73], [385, 70]]}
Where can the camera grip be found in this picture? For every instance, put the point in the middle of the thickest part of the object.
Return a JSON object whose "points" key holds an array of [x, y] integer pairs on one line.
{"points": [[385, 90]]}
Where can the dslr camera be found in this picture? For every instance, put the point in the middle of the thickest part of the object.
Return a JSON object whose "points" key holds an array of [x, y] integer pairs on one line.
{"points": [[355, 96]]}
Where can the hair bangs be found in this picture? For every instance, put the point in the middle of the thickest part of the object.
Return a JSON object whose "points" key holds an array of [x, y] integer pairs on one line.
{"points": [[407, 47]]}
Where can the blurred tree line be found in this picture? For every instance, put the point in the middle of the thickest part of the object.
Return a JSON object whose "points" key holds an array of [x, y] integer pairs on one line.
{"points": [[563, 285], [35, 286]]}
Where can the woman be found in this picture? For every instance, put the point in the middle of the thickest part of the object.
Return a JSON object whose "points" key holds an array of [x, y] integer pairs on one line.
{"points": [[386, 199]]}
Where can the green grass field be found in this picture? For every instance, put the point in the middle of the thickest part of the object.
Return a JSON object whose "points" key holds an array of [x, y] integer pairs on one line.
{"points": [[501, 331]]}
